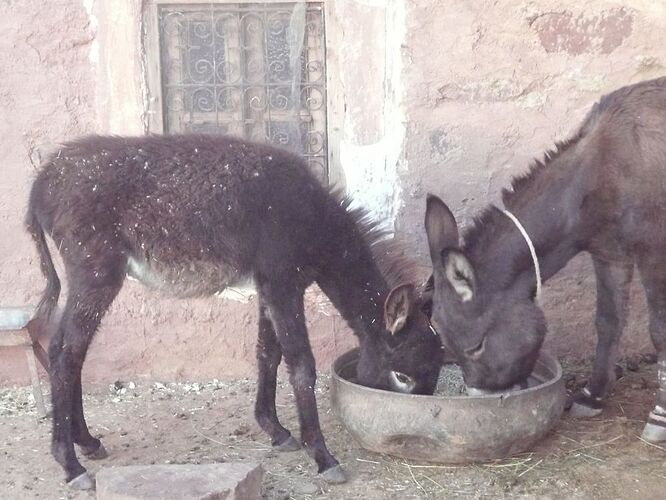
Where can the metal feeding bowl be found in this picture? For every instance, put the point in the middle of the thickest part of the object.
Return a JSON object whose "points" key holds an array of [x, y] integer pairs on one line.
{"points": [[448, 429]]}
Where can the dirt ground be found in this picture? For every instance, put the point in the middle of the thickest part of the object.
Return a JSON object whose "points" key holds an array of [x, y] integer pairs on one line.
{"points": [[602, 457]]}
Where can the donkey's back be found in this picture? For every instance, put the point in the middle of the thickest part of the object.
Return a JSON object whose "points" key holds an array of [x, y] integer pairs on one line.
{"points": [[185, 214], [622, 138], [621, 157]]}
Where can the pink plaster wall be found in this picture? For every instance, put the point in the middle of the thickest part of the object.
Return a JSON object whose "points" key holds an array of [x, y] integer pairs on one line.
{"points": [[486, 86]]}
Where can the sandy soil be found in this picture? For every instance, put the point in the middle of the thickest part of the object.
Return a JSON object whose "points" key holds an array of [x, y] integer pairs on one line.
{"points": [[602, 457]]}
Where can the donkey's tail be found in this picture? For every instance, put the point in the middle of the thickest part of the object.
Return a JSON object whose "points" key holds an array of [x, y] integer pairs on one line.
{"points": [[49, 299]]}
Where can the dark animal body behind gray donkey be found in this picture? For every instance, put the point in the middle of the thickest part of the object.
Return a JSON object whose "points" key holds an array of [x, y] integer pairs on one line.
{"points": [[603, 192], [190, 215]]}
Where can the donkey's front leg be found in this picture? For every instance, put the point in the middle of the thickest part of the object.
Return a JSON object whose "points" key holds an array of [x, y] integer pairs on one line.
{"points": [[613, 284], [269, 355], [302, 376], [653, 276], [288, 315]]}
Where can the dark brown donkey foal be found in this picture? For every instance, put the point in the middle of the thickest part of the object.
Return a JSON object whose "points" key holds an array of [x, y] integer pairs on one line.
{"points": [[191, 215], [603, 192]]}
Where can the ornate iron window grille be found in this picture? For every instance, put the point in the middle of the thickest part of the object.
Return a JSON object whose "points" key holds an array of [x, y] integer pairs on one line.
{"points": [[255, 70]]}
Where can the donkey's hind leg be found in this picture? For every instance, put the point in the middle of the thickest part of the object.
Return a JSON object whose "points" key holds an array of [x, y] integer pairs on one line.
{"points": [[284, 299], [613, 285], [90, 446], [269, 355], [87, 302], [653, 276]]}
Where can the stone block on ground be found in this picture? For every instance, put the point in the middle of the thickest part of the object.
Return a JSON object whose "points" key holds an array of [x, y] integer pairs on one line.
{"points": [[228, 481]]}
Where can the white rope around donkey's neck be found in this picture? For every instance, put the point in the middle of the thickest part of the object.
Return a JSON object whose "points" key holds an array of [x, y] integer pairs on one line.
{"points": [[526, 236]]}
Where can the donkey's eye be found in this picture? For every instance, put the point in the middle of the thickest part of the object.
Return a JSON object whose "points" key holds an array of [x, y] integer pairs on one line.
{"points": [[477, 350], [402, 383]]}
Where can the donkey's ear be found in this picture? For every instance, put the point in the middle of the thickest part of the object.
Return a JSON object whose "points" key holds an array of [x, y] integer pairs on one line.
{"points": [[440, 226], [399, 305], [460, 274]]}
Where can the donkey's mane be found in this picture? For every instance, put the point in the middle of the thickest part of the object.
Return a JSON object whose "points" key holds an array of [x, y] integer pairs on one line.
{"points": [[485, 221], [524, 181], [390, 254]]}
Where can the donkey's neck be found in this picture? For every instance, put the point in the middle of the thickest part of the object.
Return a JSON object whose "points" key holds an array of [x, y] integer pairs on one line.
{"points": [[358, 290], [547, 202], [361, 266]]}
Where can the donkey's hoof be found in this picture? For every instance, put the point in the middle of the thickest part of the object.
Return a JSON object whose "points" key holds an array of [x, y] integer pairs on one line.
{"points": [[579, 410], [335, 475], [654, 433], [97, 454], [289, 445], [82, 482]]}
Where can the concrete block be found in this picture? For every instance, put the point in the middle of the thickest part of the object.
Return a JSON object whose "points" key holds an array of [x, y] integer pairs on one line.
{"points": [[228, 481]]}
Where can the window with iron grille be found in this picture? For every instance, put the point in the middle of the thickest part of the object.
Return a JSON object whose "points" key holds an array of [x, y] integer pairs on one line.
{"points": [[254, 70]]}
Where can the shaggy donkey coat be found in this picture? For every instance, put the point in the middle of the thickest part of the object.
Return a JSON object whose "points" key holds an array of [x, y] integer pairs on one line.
{"points": [[189, 215]]}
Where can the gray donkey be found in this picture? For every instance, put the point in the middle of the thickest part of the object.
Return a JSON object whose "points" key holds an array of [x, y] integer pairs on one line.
{"points": [[190, 215], [603, 192]]}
